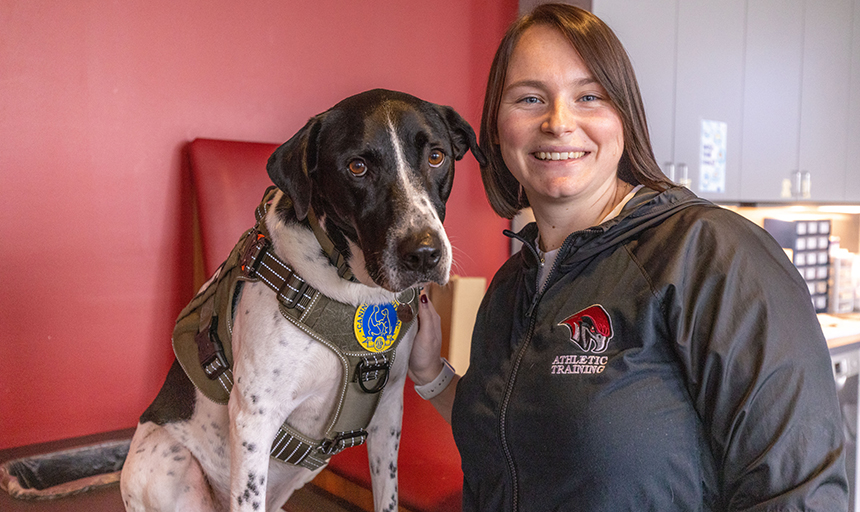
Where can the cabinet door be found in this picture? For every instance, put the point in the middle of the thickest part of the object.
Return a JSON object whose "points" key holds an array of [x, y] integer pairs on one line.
{"points": [[688, 58], [825, 96], [772, 80], [852, 169], [709, 82], [651, 48]]}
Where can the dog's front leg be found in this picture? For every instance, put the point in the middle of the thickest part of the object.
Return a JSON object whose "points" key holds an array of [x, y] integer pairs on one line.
{"points": [[251, 434], [383, 443]]}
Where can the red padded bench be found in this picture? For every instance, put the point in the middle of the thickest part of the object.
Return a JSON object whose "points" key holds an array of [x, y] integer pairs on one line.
{"points": [[228, 180]]}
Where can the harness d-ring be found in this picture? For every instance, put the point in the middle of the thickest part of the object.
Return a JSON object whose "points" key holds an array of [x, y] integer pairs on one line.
{"points": [[363, 368]]}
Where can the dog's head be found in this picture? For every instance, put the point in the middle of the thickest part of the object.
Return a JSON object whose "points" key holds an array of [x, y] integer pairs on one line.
{"points": [[377, 169]]}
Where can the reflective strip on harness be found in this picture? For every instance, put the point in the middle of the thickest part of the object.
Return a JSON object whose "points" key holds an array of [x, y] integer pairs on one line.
{"points": [[225, 374], [290, 447]]}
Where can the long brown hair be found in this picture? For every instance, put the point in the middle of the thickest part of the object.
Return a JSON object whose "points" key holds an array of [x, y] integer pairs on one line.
{"points": [[608, 63]]}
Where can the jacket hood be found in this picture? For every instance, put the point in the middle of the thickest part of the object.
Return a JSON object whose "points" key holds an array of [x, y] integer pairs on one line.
{"points": [[645, 209]]}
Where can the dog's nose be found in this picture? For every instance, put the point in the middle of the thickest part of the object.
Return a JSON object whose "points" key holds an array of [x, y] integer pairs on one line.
{"points": [[421, 252]]}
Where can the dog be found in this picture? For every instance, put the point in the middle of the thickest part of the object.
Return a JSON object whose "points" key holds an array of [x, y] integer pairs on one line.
{"points": [[375, 171]]}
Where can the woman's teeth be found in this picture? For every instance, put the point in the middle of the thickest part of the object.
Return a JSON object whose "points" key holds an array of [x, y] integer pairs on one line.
{"points": [[542, 155]]}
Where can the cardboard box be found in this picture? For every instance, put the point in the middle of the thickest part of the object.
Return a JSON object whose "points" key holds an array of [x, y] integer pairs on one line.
{"points": [[457, 303]]}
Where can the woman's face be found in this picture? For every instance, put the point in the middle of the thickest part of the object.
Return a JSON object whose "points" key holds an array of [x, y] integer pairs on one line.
{"points": [[559, 134]]}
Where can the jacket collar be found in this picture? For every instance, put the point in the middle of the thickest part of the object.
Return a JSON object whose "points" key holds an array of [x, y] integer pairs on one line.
{"points": [[645, 209]]}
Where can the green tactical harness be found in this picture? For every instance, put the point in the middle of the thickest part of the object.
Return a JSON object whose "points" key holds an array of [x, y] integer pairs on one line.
{"points": [[364, 338]]}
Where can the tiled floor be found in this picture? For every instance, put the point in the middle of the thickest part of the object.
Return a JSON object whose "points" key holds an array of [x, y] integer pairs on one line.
{"points": [[107, 499]]}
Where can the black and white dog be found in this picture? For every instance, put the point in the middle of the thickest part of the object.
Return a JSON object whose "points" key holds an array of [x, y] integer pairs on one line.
{"points": [[376, 170]]}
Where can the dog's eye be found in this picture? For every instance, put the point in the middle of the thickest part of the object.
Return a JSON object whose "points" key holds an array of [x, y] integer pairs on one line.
{"points": [[436, 158], [357, 167]]}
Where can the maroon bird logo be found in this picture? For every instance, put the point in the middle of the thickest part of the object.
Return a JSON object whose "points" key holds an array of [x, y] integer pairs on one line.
{"points": [[590, 329]]}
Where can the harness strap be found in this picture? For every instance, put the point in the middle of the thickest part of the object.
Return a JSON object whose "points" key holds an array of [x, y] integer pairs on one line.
{"points": [[259, 262], [346, 430], [292, 446], [335, 257]]}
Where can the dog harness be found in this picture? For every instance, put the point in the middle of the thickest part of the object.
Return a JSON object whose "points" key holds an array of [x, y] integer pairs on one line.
{"points": [[364, 338]]}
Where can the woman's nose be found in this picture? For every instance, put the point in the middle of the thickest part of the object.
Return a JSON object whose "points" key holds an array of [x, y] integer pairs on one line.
{"points": [[560, 119]]}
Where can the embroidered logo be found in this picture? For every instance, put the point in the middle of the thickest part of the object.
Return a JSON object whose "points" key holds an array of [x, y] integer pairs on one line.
{"points": [[376, 326], [590, 329]]}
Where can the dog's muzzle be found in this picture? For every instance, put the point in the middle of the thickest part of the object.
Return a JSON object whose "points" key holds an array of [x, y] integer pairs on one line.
{"points": [[421, 256], [421, 252]]}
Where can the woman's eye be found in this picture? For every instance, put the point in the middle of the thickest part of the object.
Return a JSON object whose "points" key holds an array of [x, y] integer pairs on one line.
{"points": [[530, 100], [589, 97], [357, 167], [435, 158]]}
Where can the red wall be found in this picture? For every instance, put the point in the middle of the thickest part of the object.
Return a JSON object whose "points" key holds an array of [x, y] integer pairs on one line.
{"points": [[97, 99]]}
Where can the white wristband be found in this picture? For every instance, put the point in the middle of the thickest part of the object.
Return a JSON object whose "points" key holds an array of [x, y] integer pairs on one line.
{"points": [[432, 389]]}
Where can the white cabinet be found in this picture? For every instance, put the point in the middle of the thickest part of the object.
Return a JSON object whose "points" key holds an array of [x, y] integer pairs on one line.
{"points": [[825, 96], [778, 73], [772, 81], [709, 87], [796, 100], [688, 57], [852, 169]]}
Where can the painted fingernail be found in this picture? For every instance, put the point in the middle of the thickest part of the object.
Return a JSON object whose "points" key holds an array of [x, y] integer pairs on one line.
{"points": [[424, 299]]}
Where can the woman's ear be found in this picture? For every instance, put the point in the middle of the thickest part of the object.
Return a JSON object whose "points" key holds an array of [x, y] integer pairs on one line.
{"points": [[291, 165]]}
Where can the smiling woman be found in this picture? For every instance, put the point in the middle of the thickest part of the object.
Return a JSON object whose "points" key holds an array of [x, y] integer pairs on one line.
{"points": [[663, 347]]}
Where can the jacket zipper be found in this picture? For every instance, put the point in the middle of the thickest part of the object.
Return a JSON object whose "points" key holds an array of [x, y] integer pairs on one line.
{"points": [[510, 386], [503, 414]]}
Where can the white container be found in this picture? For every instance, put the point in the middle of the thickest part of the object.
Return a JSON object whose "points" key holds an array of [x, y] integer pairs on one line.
{"points": [[842, 284]]}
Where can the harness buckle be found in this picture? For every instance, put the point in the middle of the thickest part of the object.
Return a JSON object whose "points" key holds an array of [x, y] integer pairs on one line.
{"points": [[342, 441], [363, 373], [251, 257], [210, 350], [293, 290], [215, 366]]}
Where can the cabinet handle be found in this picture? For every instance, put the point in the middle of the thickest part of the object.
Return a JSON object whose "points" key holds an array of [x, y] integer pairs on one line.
{"points": [[787, 191], [669, 171], [685, 180], [798, 185]]}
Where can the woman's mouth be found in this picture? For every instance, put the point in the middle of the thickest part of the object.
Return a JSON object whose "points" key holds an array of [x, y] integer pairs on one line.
{"points": [[554, 155]]}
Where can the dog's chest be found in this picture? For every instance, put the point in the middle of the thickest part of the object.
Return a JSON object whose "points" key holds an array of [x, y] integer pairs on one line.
{"points": [[281, 367]]}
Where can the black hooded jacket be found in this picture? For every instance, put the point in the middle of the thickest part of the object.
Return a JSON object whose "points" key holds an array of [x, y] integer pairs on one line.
{"points": [[673, 362]]}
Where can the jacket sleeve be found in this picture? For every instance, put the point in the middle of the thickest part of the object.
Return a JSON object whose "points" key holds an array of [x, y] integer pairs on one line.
{"points": [[758, 369]]}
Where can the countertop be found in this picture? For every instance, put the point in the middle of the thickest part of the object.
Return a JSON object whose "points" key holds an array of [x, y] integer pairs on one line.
{"points": [[840, 330]]}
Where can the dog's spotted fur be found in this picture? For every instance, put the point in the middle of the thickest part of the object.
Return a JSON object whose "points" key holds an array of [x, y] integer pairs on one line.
{"points": [[191, 454]]}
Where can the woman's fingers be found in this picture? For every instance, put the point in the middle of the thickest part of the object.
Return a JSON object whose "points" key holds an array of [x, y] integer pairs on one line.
{"points": [[425, 361]]}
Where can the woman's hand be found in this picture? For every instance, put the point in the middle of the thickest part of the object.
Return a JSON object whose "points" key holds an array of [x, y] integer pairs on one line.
{"points": [[425, 361]]}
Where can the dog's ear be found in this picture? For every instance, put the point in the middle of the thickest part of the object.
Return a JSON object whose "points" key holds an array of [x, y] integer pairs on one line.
{"points": [[462, 135], [291, 164]]}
